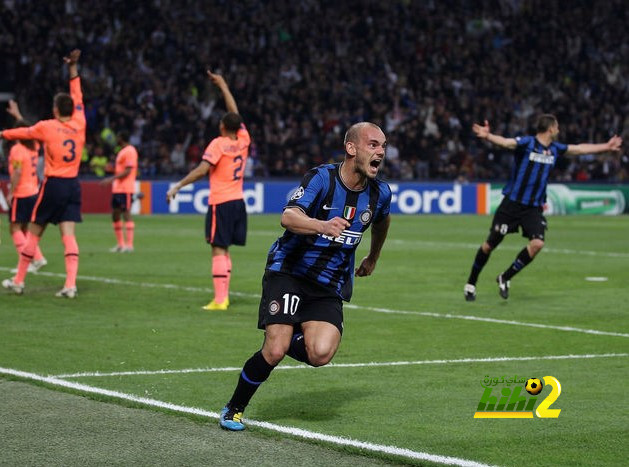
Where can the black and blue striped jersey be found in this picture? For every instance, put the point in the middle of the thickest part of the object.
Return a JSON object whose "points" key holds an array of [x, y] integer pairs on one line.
{"points": [[529, 175], [327, 260]]}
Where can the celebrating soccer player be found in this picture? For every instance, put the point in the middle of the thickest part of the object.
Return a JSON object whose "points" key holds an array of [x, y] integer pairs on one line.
{"points": [[310, 269], [123, 188], [59, 199], [525, 194], [24, 185], [226, 219]]}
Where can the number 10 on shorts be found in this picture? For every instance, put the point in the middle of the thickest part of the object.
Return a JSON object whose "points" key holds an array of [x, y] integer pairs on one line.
{"points": [[291, 302]]}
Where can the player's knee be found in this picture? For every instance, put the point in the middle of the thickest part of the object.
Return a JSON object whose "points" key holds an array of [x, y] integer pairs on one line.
{"points": [[319, 355], [274, 354], [536, 245]]}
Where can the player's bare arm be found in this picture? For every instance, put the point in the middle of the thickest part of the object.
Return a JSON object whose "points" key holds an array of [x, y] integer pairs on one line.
{"points": [[15, 178], [110, 180], [378, 236], [483, 132], [14, 110], [72, 61], [195, 174], [298, 222], [219, 81], [613, 145]]}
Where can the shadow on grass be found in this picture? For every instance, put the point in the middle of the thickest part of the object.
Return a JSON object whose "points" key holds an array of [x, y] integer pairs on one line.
{"points": [[315, 405]]}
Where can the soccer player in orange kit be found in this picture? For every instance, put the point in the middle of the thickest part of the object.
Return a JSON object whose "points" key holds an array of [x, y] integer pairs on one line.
{"points": [[24, 186], [226, 220], [59, 199], [123, 188]]}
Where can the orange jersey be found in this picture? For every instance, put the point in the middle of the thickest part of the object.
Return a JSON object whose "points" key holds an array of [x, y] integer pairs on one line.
{"points": [[24, 159], [228, 158], [127, 158], [63, 141]]}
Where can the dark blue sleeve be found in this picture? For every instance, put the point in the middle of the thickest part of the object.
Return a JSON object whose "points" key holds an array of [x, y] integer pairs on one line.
{"points": [[308, 192], [384, 206], [522, 141], [561, 148]]}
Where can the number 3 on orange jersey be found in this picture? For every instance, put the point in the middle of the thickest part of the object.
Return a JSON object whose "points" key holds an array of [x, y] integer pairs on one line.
{"points": [[71, 149]]}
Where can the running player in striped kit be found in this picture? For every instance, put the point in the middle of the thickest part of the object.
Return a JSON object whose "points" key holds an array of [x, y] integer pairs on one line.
{"points": [[525, 194], [310, 269]]}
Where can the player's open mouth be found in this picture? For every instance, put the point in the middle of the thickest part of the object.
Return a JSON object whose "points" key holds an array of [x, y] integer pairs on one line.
{"points": [[375, 163]]}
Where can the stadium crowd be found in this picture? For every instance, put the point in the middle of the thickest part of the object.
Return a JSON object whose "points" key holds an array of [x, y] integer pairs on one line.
{"points": [[304, 71]]}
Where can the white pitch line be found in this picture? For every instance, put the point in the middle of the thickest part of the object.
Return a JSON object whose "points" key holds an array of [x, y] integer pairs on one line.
{"points": [[562, 251], [343, 365], [106, 280], [489, 320], [293, 431]]}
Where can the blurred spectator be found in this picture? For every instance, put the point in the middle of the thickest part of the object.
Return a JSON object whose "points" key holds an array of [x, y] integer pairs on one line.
{"points": [[99, 162]]}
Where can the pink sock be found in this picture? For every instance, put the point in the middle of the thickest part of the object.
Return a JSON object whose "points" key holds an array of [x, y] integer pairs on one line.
{"points": [[72, 259], [130, 228], [26, 256], [118, 231], [219, 278], [19, 240], [229, 272]]}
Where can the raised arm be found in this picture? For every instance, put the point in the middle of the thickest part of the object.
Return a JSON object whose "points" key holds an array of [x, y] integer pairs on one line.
{"points": [[482, 132], [378, 236], [72, 61], [297, 221], [14, 110], [613, 145], [219, 81]]}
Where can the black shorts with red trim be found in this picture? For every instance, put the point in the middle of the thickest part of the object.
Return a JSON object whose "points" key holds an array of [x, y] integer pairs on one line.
{"points": [[226, 223], [22, 209], [288, 299], [121, 201], [59, 200]]}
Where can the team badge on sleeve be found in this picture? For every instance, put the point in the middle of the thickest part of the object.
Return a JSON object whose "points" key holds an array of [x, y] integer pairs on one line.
{"points": [[298, 193], [349, 212]]}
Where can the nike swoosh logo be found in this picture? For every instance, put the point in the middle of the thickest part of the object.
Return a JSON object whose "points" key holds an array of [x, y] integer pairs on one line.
{"points": [[325, 207]]}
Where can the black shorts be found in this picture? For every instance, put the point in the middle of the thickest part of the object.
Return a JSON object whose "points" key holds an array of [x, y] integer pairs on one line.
{"points": [[226, 223], [22, 209], [293, 300], [510, 216], [59, 200], [122, 201]]}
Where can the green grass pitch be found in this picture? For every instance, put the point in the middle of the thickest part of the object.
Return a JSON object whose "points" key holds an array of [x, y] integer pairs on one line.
{"points": [[142, 311]]}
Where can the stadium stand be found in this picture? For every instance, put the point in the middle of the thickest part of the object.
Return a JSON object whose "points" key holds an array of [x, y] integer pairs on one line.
{"points": [[304, 71]]}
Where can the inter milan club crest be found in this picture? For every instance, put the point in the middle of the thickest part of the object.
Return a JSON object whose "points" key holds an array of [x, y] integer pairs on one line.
{"points": [[274, 307], [365, 216], [348, 212]]}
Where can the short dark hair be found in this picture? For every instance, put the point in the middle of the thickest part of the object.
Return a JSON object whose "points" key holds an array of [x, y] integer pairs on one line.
{"points": [[544, 122], [64, 104], [232, 122]]}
